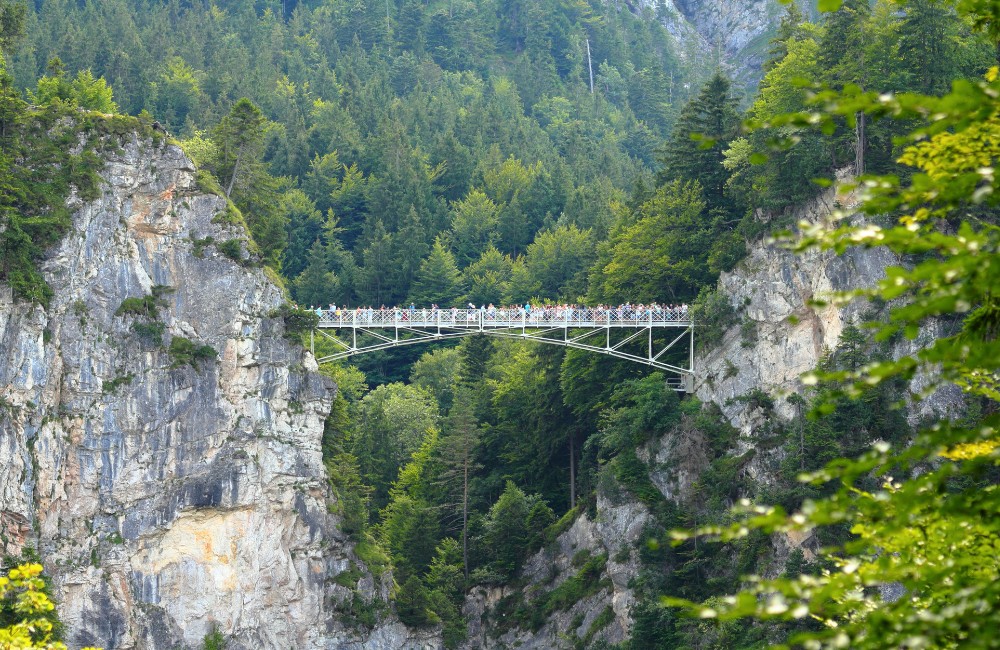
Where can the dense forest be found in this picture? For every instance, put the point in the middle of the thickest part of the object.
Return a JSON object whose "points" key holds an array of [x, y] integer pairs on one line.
{"points": [[500, 151]]}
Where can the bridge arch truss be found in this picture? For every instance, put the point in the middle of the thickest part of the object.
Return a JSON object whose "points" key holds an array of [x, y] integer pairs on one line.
{"points": [[632, 335]]}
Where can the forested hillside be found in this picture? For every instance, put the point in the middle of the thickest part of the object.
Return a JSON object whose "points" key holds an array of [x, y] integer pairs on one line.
{"points": [[507, 151]]}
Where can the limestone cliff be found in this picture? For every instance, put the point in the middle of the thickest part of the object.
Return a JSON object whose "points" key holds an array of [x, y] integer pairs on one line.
{"points": [[778, 336], [733, 34], [603, 547], [169, 499]]}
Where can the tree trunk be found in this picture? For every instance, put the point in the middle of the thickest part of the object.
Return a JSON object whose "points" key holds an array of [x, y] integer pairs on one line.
{"points": [[590, 67], [465, 517], [232, 179], [860, 142], [572, 470]]}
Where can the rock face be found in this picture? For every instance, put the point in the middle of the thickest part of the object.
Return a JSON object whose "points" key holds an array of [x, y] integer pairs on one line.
{"points": [[170, 500], [601, 617], [732, 34], [780, 337]]}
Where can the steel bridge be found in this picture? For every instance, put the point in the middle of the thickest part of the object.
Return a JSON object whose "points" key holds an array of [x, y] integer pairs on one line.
{"points": [[632, 334]]}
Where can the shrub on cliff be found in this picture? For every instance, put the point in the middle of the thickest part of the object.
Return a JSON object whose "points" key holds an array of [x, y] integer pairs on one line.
{"points": [[185, 352]]}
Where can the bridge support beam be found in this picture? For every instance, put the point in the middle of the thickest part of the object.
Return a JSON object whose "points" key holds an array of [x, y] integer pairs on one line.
{"points": [[628, 343]]}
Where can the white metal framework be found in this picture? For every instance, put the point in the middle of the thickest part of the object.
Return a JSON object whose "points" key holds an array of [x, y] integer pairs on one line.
{"points": [[574, 327]]}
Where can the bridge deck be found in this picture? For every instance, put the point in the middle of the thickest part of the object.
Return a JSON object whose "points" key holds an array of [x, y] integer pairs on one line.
{"points": [[479, 319]]}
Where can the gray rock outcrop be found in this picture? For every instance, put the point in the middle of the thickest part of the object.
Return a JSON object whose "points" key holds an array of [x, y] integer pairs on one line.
{"points": [[169, 499], [731, 34], [781, 335]]}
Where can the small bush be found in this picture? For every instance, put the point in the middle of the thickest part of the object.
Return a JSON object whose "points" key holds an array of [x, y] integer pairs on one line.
{"points": [[233, 249], [145, 306], [603, 620], [185, 352], [207, 183], [349, 578], [111, 386], [748, 333], [214, 641], [150, 332], [373, 557], [553, 532], [584, 584], [198, 245], [297, 321]]}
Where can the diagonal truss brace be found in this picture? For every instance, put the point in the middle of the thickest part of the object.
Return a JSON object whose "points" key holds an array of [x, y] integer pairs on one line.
{"points": [[683, 377]]}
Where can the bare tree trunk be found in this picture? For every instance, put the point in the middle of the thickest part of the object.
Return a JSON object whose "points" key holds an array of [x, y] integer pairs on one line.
{"points": [[802, 441], [232, 179], [465, 516], [572, 470], [859, 143], [590, 67]]}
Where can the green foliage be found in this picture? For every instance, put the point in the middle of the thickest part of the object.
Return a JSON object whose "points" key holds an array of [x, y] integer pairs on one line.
{"points": [[85, 91], [917, 512], [513, 529], [111, 386], [554, 266], [604, 619], [662, 253], [214, 640], [372, 555], [488, 278], [27, 618], [393, 422], [438, 280], [232, 248], [703, 131], [713, 315], [297, 321], [147, 306], [12, 18], [583, 584], [437, 373], [183, 351]]}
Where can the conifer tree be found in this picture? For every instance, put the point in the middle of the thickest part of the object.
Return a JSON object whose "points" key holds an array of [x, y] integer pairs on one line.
{"points": [[239, 139], [438, 280], [12, 19], [928, 46], [703, 131], [789, 28], [316, 285], [842, 55], [488, 278]]}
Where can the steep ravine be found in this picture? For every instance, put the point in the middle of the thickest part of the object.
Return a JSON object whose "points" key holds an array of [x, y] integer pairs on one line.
{"points": [[778, 336], [170, 500]]}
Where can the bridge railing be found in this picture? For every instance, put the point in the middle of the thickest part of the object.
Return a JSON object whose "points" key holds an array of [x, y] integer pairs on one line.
{"points": [[502, 318]]}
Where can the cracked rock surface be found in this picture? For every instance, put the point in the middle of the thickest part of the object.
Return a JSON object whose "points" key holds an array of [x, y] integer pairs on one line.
{"points": [[170, 500]]}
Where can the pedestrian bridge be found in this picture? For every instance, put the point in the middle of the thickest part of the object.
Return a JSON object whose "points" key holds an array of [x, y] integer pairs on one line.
{"points": [[641, 335]]}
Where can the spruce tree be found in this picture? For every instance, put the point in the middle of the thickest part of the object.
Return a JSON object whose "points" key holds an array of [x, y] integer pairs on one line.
{"points": [[316, 285], [704, 130], [842, 55], [239, 140], [438, 280], [12, 21], [928, 46], [790, 28]]}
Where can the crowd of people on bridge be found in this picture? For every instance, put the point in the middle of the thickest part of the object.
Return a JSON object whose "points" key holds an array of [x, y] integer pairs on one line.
{"points": [[545, 313]]}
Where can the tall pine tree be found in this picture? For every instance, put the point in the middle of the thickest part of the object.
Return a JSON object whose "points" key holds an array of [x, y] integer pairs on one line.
{"points": [[704, 130], [438, 281]]}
